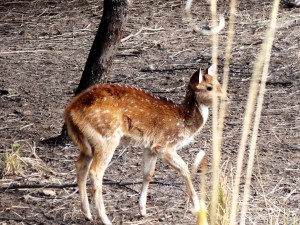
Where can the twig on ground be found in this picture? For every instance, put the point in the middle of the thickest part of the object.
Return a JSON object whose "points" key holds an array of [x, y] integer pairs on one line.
{"points": [[142, 29], [284, 143], [24, 51], [169, 90], [177, 53], [6, 218], [282, 83], [132, 35], [123, 151], [105, 182], [167, 69]]}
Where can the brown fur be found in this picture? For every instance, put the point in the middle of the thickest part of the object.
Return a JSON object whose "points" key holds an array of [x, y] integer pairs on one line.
{"points": [[103, 115]]}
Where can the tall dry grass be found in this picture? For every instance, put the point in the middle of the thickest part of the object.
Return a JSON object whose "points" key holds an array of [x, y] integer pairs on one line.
{"points": [[225, 203]]}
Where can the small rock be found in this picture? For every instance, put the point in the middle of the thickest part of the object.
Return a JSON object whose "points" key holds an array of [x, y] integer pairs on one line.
{"points": [[49, 192]]}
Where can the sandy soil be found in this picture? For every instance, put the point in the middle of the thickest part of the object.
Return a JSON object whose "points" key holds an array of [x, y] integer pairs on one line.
{"points": [[44, 45]]}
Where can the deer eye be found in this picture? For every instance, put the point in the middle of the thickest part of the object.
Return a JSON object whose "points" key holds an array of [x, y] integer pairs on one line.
{"points": [[209, 88]]}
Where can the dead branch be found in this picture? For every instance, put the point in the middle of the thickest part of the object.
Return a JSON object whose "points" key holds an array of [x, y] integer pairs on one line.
{"points": [[167, 69], [142, 29], [280, 83], [6, 218], [105, 182]]}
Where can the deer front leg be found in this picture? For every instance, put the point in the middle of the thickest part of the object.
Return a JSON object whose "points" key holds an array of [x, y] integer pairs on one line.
{"points": [[174, 160], [149, 161]]}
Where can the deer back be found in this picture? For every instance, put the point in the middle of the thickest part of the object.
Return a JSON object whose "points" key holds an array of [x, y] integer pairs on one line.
{"points": [[114, 110]]}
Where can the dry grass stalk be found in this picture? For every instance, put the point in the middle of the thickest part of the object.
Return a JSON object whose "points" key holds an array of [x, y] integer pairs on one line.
{"points": [[11, 163], [262, 63], [202, 216], [220, 204], [226, 66], [224, 201], [262, 60], [215, 130], [267, 47], [22, 159]]}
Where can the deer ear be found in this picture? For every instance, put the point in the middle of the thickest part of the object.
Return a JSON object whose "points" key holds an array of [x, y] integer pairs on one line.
{"points": [[196, 79], [200, 76], [212, 70]]}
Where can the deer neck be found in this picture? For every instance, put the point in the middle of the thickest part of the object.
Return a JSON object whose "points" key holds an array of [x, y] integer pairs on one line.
{"points": [[195, 113]]}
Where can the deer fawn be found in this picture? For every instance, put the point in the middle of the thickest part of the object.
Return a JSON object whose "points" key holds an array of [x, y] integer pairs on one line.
{"points": [[103, 115]]}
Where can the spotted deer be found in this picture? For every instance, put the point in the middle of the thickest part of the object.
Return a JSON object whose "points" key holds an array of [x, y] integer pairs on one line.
{"points": [[102, 116]]}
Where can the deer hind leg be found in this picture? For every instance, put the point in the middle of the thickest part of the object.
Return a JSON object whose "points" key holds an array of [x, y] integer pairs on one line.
{"points": [[82, 166], [175, 161], [149, 161], [103, 152]]}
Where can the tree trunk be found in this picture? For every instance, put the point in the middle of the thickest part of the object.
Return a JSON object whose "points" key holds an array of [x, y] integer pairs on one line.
{"points": [[102, 52], [106, 43]]}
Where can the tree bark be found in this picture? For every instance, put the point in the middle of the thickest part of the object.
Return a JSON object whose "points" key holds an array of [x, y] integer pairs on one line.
{"points": [[105, 45], [102, 53]]}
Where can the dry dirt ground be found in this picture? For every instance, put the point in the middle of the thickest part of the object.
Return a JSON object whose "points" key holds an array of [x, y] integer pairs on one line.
{"points": [[44, 45]]}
